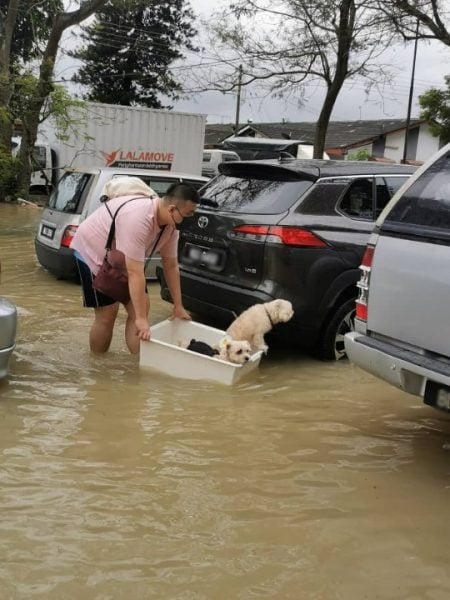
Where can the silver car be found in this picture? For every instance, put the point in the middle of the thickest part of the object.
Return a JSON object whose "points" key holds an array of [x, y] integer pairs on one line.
{"points": [[8, 323], [403, 309], [75, 197]]}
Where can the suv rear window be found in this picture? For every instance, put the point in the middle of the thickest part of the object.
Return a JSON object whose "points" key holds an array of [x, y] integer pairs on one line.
{"points": [[427, 202], [68, 193], [257, 196]]}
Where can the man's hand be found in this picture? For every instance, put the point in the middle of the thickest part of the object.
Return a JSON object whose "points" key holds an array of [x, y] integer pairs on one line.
{"points": [[180, 313], [142, 329]]}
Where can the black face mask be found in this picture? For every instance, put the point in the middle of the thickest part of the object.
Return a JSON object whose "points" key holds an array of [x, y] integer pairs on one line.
{"points": [[175, 223]]}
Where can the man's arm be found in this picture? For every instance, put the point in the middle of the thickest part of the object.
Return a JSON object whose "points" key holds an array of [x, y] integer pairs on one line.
{"points": [[137, 285], [172, 275]]}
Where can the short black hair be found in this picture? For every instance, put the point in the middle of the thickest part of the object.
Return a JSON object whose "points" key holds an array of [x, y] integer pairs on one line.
{"points": [[182, 191]]}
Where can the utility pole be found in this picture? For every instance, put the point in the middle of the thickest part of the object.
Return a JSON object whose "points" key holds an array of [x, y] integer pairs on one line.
{"points": [[411, 90], [238, 100]]}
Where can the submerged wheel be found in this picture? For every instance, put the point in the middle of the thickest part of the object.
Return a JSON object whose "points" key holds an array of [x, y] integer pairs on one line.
{"points": [[331, 345]]}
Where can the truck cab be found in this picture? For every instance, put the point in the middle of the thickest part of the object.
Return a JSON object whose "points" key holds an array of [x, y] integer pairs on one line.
{"points": [[44, 165]]}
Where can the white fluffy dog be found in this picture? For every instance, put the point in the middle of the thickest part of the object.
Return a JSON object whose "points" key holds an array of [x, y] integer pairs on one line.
{"points": [[237, 352], [258, 320], [234, 351]]}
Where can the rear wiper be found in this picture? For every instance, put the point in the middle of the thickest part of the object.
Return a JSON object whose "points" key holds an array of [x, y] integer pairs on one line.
{"points": [[208, 202]]}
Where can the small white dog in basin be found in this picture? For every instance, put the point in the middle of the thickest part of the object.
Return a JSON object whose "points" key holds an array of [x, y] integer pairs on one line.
{"points": [[259, 319], [234, 351]]}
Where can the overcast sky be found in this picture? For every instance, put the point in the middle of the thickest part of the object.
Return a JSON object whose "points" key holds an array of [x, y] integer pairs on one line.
{"points": [[432, 64]]}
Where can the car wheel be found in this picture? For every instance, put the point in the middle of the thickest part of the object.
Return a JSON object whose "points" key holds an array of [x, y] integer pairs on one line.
{"points": [[331, 345]]}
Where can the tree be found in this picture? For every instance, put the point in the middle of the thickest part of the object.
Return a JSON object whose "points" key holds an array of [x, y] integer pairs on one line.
{"points": [[129, 48], [435, 107], [301, 41], [32, 27], [67, 112], [45, 85], [8, 17], [432, 15], [23, 26]]}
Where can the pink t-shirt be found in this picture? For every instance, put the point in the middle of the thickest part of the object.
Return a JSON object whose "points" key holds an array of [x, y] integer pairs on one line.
{"points": [[136, 232]]}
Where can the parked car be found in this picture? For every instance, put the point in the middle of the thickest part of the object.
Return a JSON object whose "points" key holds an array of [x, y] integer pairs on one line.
{"points": [[212, 159], [8, 324], [75, 197], [292, 229], [402, 312]]}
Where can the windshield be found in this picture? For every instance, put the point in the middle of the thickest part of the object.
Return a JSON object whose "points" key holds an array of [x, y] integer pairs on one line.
{"points": [[426, 204], [258, 196]]}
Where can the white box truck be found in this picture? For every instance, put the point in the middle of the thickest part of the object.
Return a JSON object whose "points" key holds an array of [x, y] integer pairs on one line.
{"points": [[120, 136]]}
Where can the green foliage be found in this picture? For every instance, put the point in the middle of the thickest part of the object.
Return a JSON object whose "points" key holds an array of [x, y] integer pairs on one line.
{"points": [[362, 154], [129, 48], [435, 107], [32, 28], [66, 111], [9, 170]]}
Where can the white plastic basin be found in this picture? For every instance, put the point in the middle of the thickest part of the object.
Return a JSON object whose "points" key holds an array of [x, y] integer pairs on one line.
{"points": [[163, 353]]}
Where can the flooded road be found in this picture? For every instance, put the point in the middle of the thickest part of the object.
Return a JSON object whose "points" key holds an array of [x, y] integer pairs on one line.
{"points": [[308, 480]]}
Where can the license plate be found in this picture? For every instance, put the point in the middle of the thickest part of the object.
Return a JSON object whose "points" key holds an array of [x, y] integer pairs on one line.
{"points": [[208, 258], [437, 395], [47, 232], [203, 256]]}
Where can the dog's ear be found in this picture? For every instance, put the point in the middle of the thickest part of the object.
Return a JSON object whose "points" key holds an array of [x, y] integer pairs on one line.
{"points": [[274, 311], [225, 342]]}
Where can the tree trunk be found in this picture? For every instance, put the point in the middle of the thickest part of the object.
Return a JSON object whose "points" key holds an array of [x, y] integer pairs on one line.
{"points": [[61, 22], [345, 32], [325, 116], [6, 35]]}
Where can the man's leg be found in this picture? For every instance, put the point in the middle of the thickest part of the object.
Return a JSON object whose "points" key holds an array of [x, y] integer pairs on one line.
{"points": [[131, 338], [102, 328]]}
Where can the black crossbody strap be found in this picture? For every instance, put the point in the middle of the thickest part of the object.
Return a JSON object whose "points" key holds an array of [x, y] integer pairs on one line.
{"points": [[157, 240], [112, 229]]}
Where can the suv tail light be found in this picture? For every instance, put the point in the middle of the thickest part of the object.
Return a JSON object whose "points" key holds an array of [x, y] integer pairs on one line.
{"points": [[363, 284], [290, 236], [68, 234]]}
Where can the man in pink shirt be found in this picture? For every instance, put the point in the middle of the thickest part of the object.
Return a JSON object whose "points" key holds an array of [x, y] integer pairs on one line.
{"points": [[138, 228]]}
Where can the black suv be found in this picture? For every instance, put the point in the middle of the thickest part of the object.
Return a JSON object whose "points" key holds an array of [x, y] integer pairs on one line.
{"points": [[292, 229]]}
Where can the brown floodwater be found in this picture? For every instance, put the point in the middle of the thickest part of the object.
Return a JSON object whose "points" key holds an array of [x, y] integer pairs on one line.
{"points": [[308, 480]]}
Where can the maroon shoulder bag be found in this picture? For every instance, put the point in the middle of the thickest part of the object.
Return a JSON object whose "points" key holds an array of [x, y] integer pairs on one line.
{"points": [[112, 277]]}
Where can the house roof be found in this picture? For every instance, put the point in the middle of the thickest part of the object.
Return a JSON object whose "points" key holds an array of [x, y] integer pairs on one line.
{"points": [[340, 134], [215, 133]]}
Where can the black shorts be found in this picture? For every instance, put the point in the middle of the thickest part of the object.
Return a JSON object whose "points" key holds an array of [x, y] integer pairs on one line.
{"points": [[91, 298]]}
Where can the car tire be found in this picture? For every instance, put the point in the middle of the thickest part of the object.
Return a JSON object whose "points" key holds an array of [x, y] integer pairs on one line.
{"points": [[331, 345]]}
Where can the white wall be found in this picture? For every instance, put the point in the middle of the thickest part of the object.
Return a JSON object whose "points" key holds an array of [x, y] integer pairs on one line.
{"points": [[394, 145], [427, 144]]}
